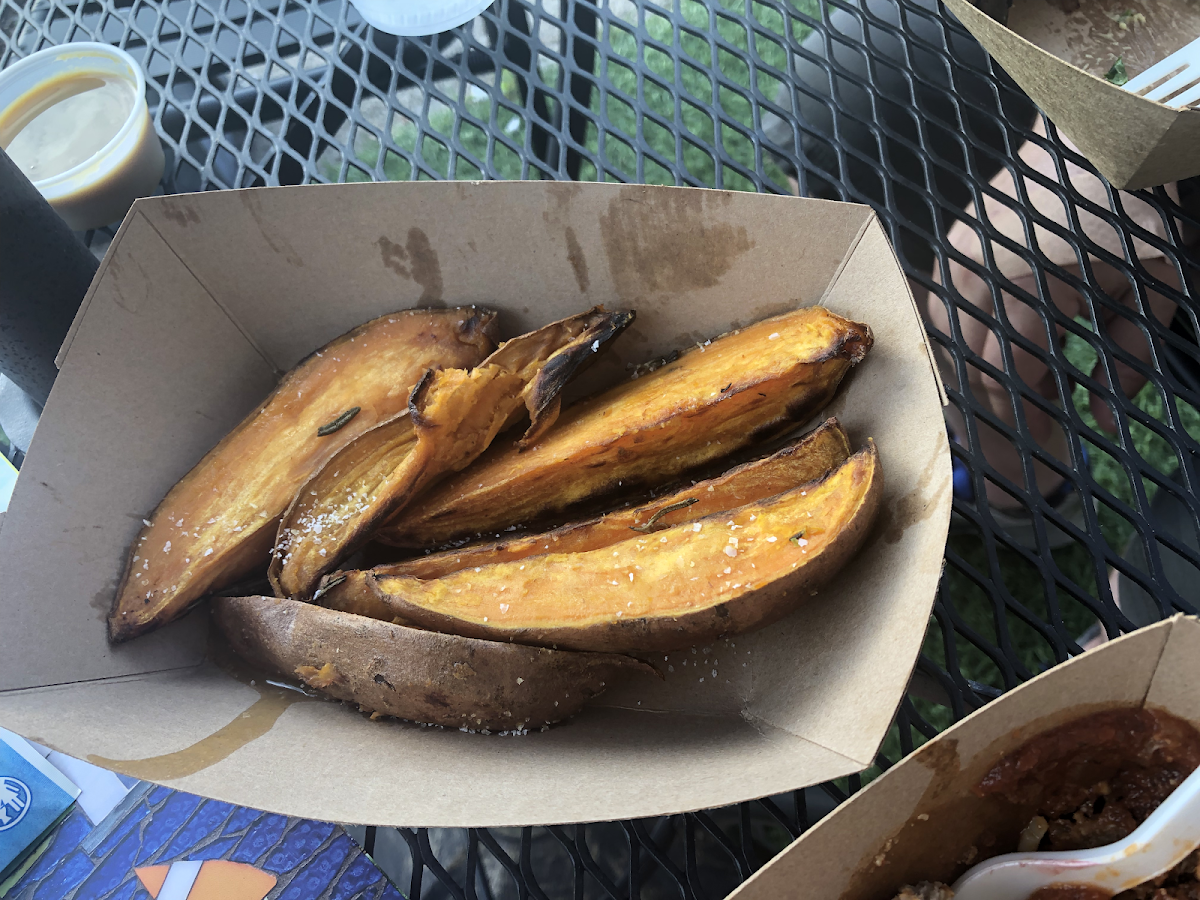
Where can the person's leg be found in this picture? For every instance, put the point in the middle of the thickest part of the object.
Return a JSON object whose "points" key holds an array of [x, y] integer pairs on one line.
{"points": [[1032, 371], [978, 277]]}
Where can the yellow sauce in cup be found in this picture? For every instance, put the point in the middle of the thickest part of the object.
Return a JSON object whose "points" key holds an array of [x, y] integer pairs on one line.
{"points": [[64, 122]]}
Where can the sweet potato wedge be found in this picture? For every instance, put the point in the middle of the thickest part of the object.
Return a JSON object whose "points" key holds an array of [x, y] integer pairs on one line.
{"points": [[711, 401], [422, 676], [725, 574], [804, 460], [217, 525], [452, 417]]}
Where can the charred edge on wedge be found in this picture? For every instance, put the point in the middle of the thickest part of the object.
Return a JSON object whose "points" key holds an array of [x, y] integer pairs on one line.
{"points": [[417, 399], [565, 366]]}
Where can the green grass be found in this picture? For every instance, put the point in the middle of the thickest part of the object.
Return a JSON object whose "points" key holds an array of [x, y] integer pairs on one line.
{"points": [[695, 51], [681, 58], [1020, 582], [684, 66]]}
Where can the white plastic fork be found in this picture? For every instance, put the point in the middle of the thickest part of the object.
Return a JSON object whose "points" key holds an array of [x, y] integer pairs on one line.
{"points": [[1167, 835], [1187, 61]]}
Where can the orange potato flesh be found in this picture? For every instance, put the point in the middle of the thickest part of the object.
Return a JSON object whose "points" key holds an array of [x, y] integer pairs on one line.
{"points": [[710, 402], [802, 461], [453, 416], [217, 525], [724, 574]]}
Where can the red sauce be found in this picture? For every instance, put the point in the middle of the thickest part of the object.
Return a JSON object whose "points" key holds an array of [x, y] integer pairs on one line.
{"points": [[1070, 892], [1097, 778], [1094, 780]]}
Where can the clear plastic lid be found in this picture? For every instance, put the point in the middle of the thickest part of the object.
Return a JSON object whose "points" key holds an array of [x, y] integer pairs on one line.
{"points": [[418, 17]]}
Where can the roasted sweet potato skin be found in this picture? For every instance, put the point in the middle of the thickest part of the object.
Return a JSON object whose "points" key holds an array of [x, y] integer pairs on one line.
{"points": [[801, 461], [725, 574], [452, 417], [421, 676], [217, 525], [708, 403]]}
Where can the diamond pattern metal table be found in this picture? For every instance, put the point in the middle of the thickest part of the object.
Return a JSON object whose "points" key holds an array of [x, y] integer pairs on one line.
{"points": [[888, 102]]}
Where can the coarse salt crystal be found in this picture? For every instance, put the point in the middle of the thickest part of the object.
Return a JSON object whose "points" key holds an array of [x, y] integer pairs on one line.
{"points": [[208, 552], [772, 539], [520, 681], [503, 607], [146, 522], [774, 336], [697, 526], [167, 547], [728, 570], [730, 551]]}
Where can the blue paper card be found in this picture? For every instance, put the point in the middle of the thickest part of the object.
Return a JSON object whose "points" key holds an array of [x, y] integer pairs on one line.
{"points": [[34, 796]]}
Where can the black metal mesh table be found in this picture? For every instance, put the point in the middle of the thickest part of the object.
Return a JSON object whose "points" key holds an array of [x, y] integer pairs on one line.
{"points": [[299, 91]]}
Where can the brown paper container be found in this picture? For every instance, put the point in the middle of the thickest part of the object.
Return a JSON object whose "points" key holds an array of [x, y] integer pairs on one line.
{"points": [[1059, 59], [877, 841], [204, 298]]}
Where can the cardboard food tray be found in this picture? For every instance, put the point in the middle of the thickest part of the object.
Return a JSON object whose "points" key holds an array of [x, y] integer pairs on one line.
{"points": [[1059, 59], [878, 841], [201, 302]]}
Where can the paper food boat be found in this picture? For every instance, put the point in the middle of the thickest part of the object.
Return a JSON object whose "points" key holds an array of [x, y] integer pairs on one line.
{"points": [[1059, 59], [920, 821], [204, 298]]}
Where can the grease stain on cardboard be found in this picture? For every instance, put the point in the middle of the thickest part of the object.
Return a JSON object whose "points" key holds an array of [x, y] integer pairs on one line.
{"points": [[416, 261], [269, 232], [914, 506], [253, 723], [181, 213], [130, 286], [672, 246], [578, 262], [102, 600]]}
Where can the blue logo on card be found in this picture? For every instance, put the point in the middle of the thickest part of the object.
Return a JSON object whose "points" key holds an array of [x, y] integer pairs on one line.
{"points": [[14, 801]]}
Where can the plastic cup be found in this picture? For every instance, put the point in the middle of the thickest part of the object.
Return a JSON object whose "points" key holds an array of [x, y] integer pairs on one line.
{"points": [[100, 188], [418, 17]]}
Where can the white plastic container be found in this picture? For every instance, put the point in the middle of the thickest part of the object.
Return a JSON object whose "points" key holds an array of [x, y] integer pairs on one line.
{"points": [[101, 152], [418, 17]]}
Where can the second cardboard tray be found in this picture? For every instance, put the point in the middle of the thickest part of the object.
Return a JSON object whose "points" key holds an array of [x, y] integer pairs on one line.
{"points": [[921, 821], [1058, 51], [204, 298]]}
